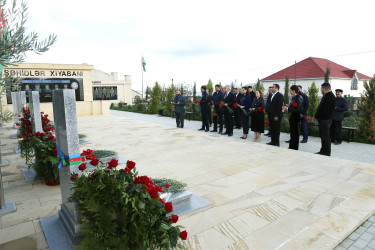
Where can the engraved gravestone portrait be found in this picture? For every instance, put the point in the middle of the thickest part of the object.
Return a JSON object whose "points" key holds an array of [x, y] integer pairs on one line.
{"points": [[45, 86], [105, 93]]}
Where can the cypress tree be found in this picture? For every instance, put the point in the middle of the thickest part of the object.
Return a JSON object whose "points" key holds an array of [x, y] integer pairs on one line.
{"points": [[367, 108], [210, 88], [286, 90], [326, 76], [313, 99], [155, 98]]}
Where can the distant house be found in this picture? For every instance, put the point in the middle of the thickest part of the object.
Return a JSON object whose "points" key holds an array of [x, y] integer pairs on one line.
{"points": [[136, 93], [314, 69]]}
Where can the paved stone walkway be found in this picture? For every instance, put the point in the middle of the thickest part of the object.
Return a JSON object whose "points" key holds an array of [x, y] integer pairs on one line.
{"points": [[364, 236]]}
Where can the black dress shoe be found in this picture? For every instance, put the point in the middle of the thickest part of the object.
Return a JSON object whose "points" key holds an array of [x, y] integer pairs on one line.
{"points": [[220, 132], [207, 130], [225, 133], [201, 129], [230, 134], [267, 134], [303, 141], [270, 143], [243, 137], [287, 141], [318, 153], [337, 143], [213, 130]]}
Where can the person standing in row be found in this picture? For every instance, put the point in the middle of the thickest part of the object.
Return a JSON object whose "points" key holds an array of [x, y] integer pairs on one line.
{"points": [[338, 117], [304, 115], [237, 111], [257, 115], [179, 108], [229, 100], [209, 113], [245, 106], [295, 108], [204, 109], [324, 117], [251, 92], [217, 98], [276, 115], [268, 108]]}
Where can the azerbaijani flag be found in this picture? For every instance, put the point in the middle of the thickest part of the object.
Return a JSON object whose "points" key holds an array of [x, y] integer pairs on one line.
{"points": [[143, 64]]}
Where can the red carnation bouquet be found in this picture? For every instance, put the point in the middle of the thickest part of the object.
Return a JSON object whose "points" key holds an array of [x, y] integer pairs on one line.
{"points": [[295, 104], [260, 109], [235, 105], [221, 104], [197, 102], [108, 196]]}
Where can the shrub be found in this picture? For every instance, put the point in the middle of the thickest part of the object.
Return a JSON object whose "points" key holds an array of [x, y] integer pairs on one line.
{"points": [[367, 108]]}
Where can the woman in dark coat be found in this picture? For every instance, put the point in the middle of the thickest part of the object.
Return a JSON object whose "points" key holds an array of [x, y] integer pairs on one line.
{"points": [[257, 115], [295, 109], [245, 105]]}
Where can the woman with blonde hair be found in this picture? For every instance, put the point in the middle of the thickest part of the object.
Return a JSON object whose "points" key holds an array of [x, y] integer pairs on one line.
{"points": [[257, 115]]}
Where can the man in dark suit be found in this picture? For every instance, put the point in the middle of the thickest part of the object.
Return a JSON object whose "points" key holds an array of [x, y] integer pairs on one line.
{"points": [[304, 115], [324, 117], [338, 117], [229, 100], [268, 108], [276, 115], [204, 109], [237, 111], [179, 102], [217, 97]]}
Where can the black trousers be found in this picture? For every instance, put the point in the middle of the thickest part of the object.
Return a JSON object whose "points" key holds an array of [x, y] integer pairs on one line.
{"points": [[218, 118], [269, 125], [275, 136], [245, 123], [336, 134], [180, 120], [294, 132], [324, 126], [204, 112], [228, 121], [209, 115], [237, 116]]}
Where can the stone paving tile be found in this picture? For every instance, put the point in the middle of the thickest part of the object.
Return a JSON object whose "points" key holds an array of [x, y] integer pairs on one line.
{"points": [[360, 243], [346, 243], [367, 236], [371, 244]]}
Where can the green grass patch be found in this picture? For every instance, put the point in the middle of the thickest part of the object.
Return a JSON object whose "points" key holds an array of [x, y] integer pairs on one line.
{"points": [[175, 186], [102, 153]]}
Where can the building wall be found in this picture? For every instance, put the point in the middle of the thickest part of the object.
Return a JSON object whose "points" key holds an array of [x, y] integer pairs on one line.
{"points": [[86, 72], [336, 83]]}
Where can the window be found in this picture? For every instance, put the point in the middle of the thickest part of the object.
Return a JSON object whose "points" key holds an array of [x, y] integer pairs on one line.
{"points": [[354, 83]]}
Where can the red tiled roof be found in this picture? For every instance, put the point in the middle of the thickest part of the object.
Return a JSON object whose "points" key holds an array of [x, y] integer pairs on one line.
{"points": [[313, 67]]}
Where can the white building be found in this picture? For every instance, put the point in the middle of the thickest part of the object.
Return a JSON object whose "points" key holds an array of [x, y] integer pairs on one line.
{"points": [[313, 70]]}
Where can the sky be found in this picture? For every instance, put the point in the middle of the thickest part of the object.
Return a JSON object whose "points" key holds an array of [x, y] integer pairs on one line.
{"points": [[193, 41]]}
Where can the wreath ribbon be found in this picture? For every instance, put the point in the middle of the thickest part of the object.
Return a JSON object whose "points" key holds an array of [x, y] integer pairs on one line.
{"points": [[71, 159]]}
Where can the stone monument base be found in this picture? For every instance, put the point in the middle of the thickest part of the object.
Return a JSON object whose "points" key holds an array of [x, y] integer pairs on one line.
{"points": [[67, 220], [29, 174], [55, 233], [9, 207], [4, 163]]}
